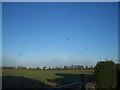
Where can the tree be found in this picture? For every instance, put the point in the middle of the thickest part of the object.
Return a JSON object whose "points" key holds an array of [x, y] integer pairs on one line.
{"points": [[91, 67], [86, 67], [105, 73], [49, 68], [72, 66], [65, 67], [81, 67], [44, 68], [38, 68]]}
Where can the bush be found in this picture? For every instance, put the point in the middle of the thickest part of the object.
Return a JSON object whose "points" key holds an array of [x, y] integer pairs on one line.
{"points": [[118, 76], [105, 72]]}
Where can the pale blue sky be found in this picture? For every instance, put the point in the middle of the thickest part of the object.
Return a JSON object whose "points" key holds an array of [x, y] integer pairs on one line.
{"points": [[56, 34]]}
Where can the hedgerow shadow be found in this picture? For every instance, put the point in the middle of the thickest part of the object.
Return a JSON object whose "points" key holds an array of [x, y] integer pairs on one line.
{"points": [[21, 82], [72, 78]]}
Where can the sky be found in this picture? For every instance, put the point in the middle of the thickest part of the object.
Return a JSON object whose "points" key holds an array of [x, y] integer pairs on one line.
{"points": [[58, 34]]}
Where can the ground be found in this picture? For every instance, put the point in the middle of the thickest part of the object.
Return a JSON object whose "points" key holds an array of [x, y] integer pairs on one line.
{"points": [[44, 78]]}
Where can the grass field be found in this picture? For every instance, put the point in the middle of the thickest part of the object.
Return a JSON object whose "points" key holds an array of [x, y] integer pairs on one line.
{"points": [[49, 76]]}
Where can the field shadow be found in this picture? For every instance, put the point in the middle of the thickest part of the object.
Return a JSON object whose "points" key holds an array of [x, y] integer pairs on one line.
{"points": [[72, 78], [21, 82]]}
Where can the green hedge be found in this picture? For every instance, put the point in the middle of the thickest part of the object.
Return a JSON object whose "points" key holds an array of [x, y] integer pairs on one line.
{"points": [[118, 76], [105, 73]]}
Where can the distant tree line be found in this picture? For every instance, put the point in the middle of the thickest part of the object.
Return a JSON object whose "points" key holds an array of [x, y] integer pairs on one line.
{"points": [[72, 67]]}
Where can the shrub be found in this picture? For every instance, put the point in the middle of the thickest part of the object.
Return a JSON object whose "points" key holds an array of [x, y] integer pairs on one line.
{"points": [[105, 72], [118, 76]]}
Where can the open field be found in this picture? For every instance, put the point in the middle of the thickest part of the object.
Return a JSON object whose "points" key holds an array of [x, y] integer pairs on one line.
{"points": [[43, 75], [46, 77]]}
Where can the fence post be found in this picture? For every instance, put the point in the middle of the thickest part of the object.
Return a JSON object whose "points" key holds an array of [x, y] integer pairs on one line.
{"points": [[83, 81]]}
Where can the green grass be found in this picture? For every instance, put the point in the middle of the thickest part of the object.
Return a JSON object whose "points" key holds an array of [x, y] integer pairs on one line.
{"points": [[43, 75]]}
